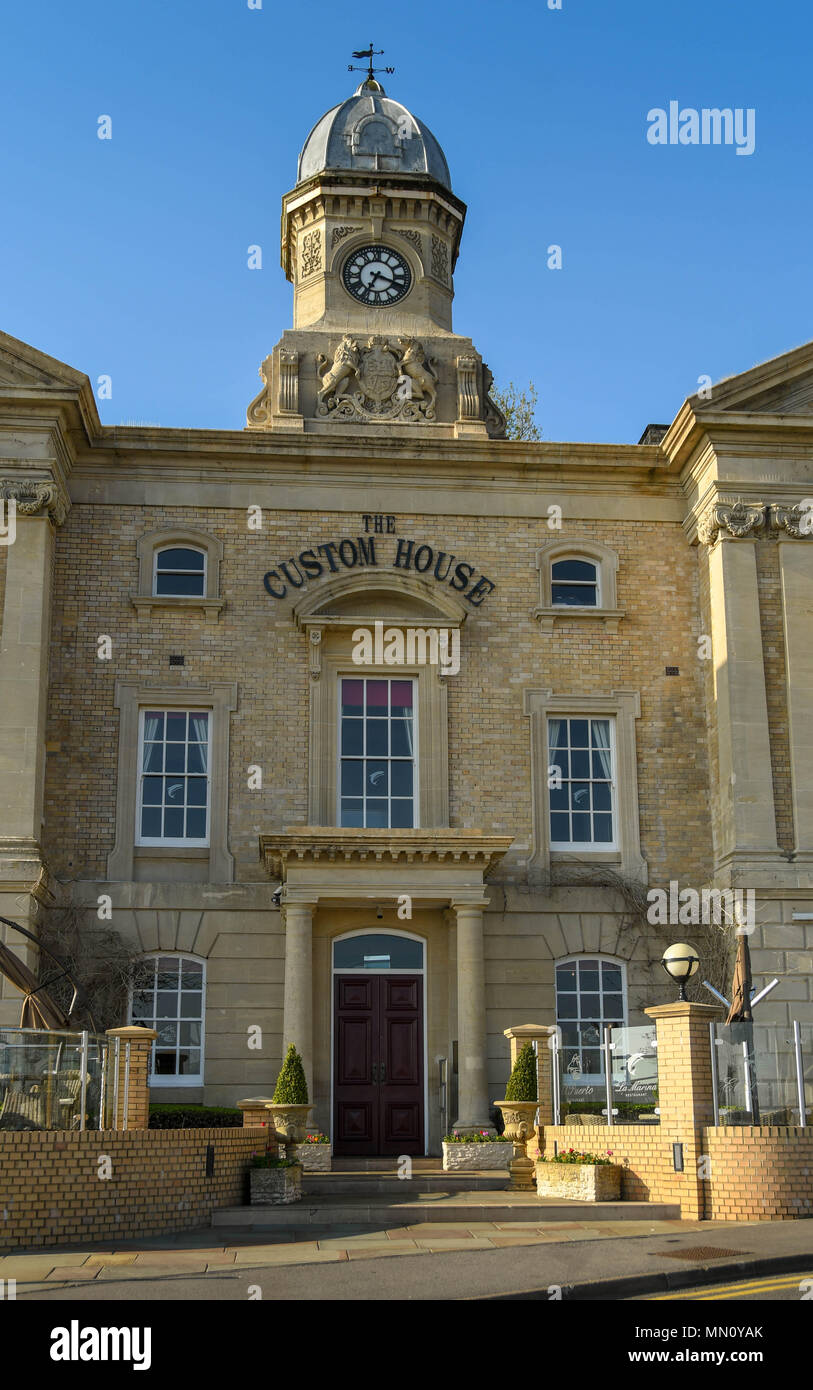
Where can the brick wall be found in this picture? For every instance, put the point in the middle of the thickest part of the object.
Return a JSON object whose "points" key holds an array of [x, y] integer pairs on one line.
{"points": [[751, 1174], [52, 1193], [255, 643], [759, 1173]]}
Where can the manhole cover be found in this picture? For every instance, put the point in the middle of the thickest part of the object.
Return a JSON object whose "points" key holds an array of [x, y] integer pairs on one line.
{"points": [[700, 1252]]}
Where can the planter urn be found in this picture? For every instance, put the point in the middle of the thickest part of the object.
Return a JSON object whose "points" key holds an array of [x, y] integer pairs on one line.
{"points": [[519, 1116], [290, 1124]]}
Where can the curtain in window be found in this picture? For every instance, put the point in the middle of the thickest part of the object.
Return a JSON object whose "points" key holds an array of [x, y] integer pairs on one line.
{"points": [[199, 731], [601, 745], [151, 722], [557, 733]]}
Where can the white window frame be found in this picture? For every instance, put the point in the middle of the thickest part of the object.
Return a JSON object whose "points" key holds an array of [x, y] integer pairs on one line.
{"points": [[596, 1078], [165, 841], [366, 674], [180, 545], [156, 1079], [579, 583], [625, 707], [588, 846], [604, 610]]}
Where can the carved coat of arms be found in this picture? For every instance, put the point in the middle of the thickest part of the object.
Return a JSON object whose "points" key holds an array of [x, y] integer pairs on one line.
{"points": [[377, 382]]}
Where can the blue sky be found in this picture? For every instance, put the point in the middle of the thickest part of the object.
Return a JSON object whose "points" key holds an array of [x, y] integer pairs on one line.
{"points": [[128, 257]]}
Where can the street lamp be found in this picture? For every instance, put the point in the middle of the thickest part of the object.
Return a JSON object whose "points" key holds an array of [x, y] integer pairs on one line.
{"points": [[680, 962]]}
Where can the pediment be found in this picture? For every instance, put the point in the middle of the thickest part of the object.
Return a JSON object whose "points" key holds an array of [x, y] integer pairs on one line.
{"points": [[22, 366], [386, 597], [781, 386]]}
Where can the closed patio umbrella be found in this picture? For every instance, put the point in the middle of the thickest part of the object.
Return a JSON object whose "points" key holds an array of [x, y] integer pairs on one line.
{"points": [[38, 1009], [740, 1012]]}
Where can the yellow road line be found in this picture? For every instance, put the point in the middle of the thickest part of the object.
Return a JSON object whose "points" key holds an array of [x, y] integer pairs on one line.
{"points": [[721, 1291]]}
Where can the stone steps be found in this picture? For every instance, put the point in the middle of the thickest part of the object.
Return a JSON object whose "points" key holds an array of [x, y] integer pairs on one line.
{"points": [[383, 1183], [385, 1212]]}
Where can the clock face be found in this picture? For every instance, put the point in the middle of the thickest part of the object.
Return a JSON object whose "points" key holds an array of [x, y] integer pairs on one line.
{"points": [[375, 275]]}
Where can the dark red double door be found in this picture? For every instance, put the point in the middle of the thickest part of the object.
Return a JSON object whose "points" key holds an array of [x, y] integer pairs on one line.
{"points": [[378, 1078]]}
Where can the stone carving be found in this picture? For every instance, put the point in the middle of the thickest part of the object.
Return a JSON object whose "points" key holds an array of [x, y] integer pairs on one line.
{"points": [[440, 259], [259, 412], [797, 521], [32, 497], [377, 382], [288, 382], [311, 253], [339, 233], [468, 398], [413, 237], [315, 642], [740, 520], [493, 416]]}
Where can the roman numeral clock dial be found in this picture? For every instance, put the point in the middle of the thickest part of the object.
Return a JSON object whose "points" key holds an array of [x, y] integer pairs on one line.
{"points": [[375, 275]]}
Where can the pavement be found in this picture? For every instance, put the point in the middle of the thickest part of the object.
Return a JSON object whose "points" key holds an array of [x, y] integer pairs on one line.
{"points": [[469, 1259]]}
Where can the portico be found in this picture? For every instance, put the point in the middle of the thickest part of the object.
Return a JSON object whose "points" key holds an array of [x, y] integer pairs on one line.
{"points": [[425, 885]]}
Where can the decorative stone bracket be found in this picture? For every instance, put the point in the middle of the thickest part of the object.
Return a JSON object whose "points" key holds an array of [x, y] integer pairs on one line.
{"points": [[32, 496], [261, 412], [748, 520]]}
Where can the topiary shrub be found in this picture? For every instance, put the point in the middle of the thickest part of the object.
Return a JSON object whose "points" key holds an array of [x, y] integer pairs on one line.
{"points": [[291, 1087], [522, 1081]]}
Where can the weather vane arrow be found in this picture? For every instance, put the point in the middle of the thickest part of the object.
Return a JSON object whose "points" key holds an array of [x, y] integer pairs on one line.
{"points": [[369, 54]]}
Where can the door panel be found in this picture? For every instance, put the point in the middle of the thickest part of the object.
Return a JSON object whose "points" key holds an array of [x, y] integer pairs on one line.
{"points": [[378, 1082]]}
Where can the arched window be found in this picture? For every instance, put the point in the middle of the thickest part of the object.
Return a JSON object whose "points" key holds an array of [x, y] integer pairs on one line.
{"points": [[575, 583], [169, 995], [591, 992], [180, 571]]}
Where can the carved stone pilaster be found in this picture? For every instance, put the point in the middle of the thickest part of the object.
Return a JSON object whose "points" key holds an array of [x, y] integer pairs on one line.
{"points": [[32, 496], [468, 397], [288, 382], [741, 521], [796, 521], [315, 651]]}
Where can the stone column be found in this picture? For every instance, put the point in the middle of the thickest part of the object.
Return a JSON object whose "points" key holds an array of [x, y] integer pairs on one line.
{"points": [[298, 998], [127, 1103], [473, 1106], [796, 569], [23, 694], [747, 821], [685, 1095]]}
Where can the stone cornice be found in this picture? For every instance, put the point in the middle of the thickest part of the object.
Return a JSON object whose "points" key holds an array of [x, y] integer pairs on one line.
{"points": [[340, 846]]}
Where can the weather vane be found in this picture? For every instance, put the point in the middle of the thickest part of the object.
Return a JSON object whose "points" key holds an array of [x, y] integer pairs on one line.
{"points": [[369, 53]]}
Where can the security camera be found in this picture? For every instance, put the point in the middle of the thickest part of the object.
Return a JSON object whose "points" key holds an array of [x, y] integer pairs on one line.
{"points": [[276, 896]]}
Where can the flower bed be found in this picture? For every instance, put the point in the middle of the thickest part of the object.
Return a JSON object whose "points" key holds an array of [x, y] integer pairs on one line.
{"points": [[576, 1176], [315, 1154], [471, 1153]]}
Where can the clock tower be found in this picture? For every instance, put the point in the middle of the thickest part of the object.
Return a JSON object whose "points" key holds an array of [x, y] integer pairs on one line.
{"points": [[370, 240]]}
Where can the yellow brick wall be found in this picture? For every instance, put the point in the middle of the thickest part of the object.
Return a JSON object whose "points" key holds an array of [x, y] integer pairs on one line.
{"points": [[52, 1193], [256, 644]]}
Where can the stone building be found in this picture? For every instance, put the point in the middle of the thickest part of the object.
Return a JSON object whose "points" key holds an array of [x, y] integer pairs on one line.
{"points": [[371, 728]]}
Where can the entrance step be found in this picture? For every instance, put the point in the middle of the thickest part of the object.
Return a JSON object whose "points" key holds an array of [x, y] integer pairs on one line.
{"points": [[342, 1209], [382, 1183]]}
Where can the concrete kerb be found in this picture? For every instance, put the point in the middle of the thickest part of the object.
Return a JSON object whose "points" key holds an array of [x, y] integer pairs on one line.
{"points": [[630, 1286]]}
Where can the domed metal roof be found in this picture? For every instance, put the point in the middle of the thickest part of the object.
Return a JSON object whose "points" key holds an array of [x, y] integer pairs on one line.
{"points": [[371, 133]]}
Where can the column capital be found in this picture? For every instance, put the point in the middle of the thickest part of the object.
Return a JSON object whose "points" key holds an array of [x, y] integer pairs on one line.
{"points": [[33, 495], [478, 904]]}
